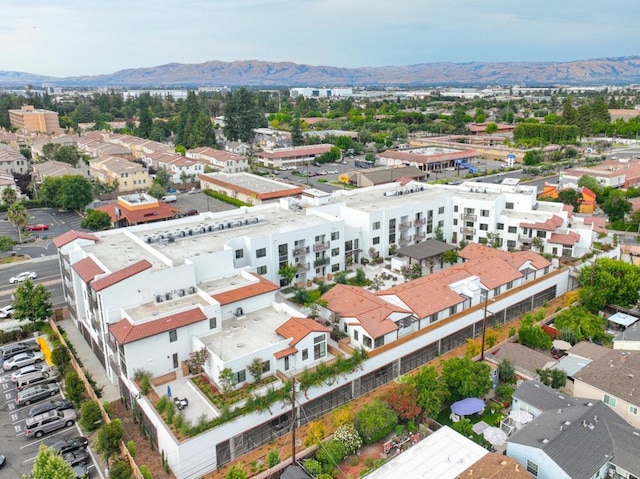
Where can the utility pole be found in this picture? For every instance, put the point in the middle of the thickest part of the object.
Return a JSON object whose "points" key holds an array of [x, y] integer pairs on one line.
{"points": [[293, 420]]}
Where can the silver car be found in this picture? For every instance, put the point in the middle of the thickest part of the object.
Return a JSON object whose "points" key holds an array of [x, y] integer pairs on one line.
{"points": [[36, 393], [21, 277], [38, 426], [22, 359], [26, 371]]}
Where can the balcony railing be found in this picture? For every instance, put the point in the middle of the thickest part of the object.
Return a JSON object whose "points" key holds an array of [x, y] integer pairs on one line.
{"points": [[404, 241], [469, 217], [303, 266], [467, 231], [321, 262], [301, 251], [321, 246], [419, 236], [524, 238], [283, 258], [405, 226], [420, 221]]}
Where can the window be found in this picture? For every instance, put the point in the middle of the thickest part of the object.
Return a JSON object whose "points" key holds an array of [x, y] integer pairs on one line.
{"points": [[541, 234], [441, 224], [610, 401], [433, 318], [319, 347], [633, 410], [355, 335], [508, 206], [266, 366], [286, 363], [532, 468], [484, 213], [175, 361], [240, 376], [378, 342], [335, 267], [376, 225], [335, 236], [468, 224], [173, 335], [335, 251], [305, 354], [262, 270], [453, 309], [366, 340], [261, 252], [376, 240], [213, 323], [500, 226], [283, 250], [455, 208], [441, 210], [513, 229], [392, 223], [239, 253], [455, 222], [510, 285], [484, 227], [392, 238], [469, 211]]}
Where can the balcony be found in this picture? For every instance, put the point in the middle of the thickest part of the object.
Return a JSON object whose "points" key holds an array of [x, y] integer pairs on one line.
{"points": [[469, 217], [405, 226], [321, 246], [420, 221], [404, 241], [301, 251], [302, 267], [283, 258], [524, 238], [321, 262], [419, 236], [66, 273], [467, 231], [70, 293]]}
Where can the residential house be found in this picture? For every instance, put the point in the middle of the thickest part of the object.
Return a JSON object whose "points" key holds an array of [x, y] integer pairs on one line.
{"points": [[12, 161], [7, 181], [56, 169], [219, 159], [495, 466], [129, 176], [525, 361]]}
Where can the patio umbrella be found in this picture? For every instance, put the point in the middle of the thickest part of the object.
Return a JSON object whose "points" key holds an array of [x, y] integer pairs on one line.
{"points": [[495, 436], [464, 407], [521, 417], [168, 390], [562, 345]]}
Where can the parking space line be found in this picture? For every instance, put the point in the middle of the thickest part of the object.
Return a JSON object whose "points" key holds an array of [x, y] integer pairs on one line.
{"points": [[61, 431]]}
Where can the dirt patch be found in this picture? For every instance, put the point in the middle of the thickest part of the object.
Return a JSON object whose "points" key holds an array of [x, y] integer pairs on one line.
{"points": [[367, 455], [145, 453]]}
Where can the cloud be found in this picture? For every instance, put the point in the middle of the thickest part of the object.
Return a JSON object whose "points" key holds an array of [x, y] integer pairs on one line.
{"points": [[74, 37]]}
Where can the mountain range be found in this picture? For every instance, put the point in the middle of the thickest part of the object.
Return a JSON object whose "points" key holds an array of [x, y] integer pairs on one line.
{"points": [[601, 71]]}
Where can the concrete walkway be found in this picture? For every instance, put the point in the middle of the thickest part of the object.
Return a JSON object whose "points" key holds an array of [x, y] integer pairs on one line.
{"points": [[90, 362]]}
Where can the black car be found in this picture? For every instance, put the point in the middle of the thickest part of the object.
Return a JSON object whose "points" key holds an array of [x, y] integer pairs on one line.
{"points": [[57, 404], [72, 444], [81, 471], [74, 458]]}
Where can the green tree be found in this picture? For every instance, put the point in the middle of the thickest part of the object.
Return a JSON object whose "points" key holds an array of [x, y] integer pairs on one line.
{"points": [[9, 196], [202, 133], [242, 115], [570, 196], [591, 183], [532, 335], [569, 114], [288, 272], [163, 178], [403, 399], [491, 128], [120, 470], [375, 421], [18, 217], [90, 416], [616, 206], [6, 243], [464, 378], [50, 465], [506, 372], [96, 220], [432, 393], [146, 123], [582, 323], [450, 257], [60, 358], [609, 281], [157, 191], [297, 137], [32, 303], [72, 192], [189, 113], [108, 439], [73, 387], [532, 158], [555, 378]]}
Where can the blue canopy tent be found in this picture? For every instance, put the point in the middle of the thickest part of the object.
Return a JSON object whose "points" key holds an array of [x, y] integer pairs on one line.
{"points": [[468, 406]]}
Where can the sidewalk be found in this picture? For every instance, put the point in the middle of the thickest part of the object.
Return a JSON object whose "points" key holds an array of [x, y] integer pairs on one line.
{"points": [[90, 362]]}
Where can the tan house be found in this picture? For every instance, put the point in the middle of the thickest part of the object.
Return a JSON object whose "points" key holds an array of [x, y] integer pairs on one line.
{"points": [[130, 176], [30, 118], [58, 169], [219, 159], [12, 161]]}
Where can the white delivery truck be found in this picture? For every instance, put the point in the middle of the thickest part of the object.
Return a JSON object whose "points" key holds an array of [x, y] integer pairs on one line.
{"points": [[169, 198]]}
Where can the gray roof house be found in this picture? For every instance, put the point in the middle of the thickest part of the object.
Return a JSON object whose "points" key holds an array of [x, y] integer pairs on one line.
{"points": [[573, 438]]}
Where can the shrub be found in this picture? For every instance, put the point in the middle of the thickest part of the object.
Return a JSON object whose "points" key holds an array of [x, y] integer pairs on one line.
{"points": [[343, 415], [463, 426], [313, 467], [273, 458], [349, 438], [73, 387], [90, 416], [236, 472], [315, 433], [375, 421], [120, 470], [504, 393], [131, 447], [144, 379], [331, 453], [144, 470]]}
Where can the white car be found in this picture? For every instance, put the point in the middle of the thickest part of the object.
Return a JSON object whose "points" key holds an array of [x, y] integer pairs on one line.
{"points": [[6, 311], [26, 371], [22, 359], [25, 275]]}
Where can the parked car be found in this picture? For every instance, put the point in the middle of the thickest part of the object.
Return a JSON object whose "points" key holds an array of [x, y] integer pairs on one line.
{"points": [[26, 371], [75, 458], [6, 311], [3, 461], [81, 471], [38, 227], [22, 359], [70, 444], [14, 349], [21, 277], [40, 377], [53, 405], [191, 213], [36, 393], [38, 426]]}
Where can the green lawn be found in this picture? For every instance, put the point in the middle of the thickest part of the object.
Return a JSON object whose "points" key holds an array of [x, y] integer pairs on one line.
{"points": [[491, 418]]}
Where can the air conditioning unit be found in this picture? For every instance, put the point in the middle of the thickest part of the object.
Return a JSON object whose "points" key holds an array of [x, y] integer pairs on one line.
{"points": [[181, 292], [192, 290], [239, 312], [167, 296], [159, 298]]}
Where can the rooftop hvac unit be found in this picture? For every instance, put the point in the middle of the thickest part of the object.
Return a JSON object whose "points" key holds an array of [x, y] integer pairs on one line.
{"points": [[159, 298], [229, 224], [192, 289], [239, 312], [171, 239], [167, 296], [181, 292], [148, 239], [238, 223]]}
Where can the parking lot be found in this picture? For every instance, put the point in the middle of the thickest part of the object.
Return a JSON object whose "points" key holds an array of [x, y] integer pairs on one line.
{"points": [[20, 451]]}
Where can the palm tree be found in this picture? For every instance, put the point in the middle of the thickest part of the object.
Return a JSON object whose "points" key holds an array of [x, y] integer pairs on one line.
{"points": [[9, 196], [17, 215]]}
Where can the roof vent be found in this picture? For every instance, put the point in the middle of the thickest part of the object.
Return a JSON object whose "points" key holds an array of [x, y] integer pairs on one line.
{"points": [[240, 345], [566, 423], [545, 441]]}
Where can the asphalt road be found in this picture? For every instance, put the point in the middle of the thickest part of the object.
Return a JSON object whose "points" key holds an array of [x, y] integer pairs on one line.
{"points": [[48, 271], [20, 451]]}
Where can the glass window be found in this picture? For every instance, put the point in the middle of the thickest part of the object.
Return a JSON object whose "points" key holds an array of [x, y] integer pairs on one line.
{"points": [[319, 347], [213, 323], [335, 251], [541, 234], [513, 229], [633, 410], [455, 221], [392, 223], [239, 253], [173, 335], [500, 226], [508, 206], [240, 376], [484, 212], [305, 354], [610, 401], [441, 210], [376, 240], [455, 208], [355, 334], [262, 270], [379, 342], [261, 253], [484, 227], [335, 267], [376, 225], [532, 468], [335, 236], [266, 366], [366, 340], [453, 309]]}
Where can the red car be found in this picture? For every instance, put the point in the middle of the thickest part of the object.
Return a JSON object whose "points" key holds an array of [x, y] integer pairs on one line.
{"points": [[38, 227]]}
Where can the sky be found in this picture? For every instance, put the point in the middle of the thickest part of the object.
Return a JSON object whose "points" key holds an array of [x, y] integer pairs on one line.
{"points": [[89, 37]]}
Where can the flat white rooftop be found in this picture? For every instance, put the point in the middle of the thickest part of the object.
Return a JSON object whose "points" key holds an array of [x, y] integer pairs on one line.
{"points": [[444, 454], [117, 251], [174, 305], [255, 183]]}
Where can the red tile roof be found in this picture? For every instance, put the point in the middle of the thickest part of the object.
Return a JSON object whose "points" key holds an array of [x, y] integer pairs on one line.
{"points": [[87, 269], [516, 260], [298, 328], [285, 352], [261, 287], [425, 159], [295, 152], [568, 239], [549, 225], [121, 275], [125, 332], [154, 213], [70, 236]]}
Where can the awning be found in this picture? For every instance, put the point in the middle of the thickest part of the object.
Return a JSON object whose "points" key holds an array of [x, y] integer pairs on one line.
{"points": [[622, 319]]}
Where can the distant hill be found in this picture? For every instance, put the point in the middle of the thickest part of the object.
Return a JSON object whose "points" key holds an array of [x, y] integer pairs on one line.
{"points": [[622, 70]]}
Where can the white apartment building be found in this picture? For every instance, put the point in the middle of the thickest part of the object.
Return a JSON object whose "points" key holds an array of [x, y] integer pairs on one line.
{"points": [[321, 92], [149, 295], [219, 159]]}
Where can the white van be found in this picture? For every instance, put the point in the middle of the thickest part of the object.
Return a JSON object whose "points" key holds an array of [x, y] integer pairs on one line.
{"points": [[169, 198]]}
